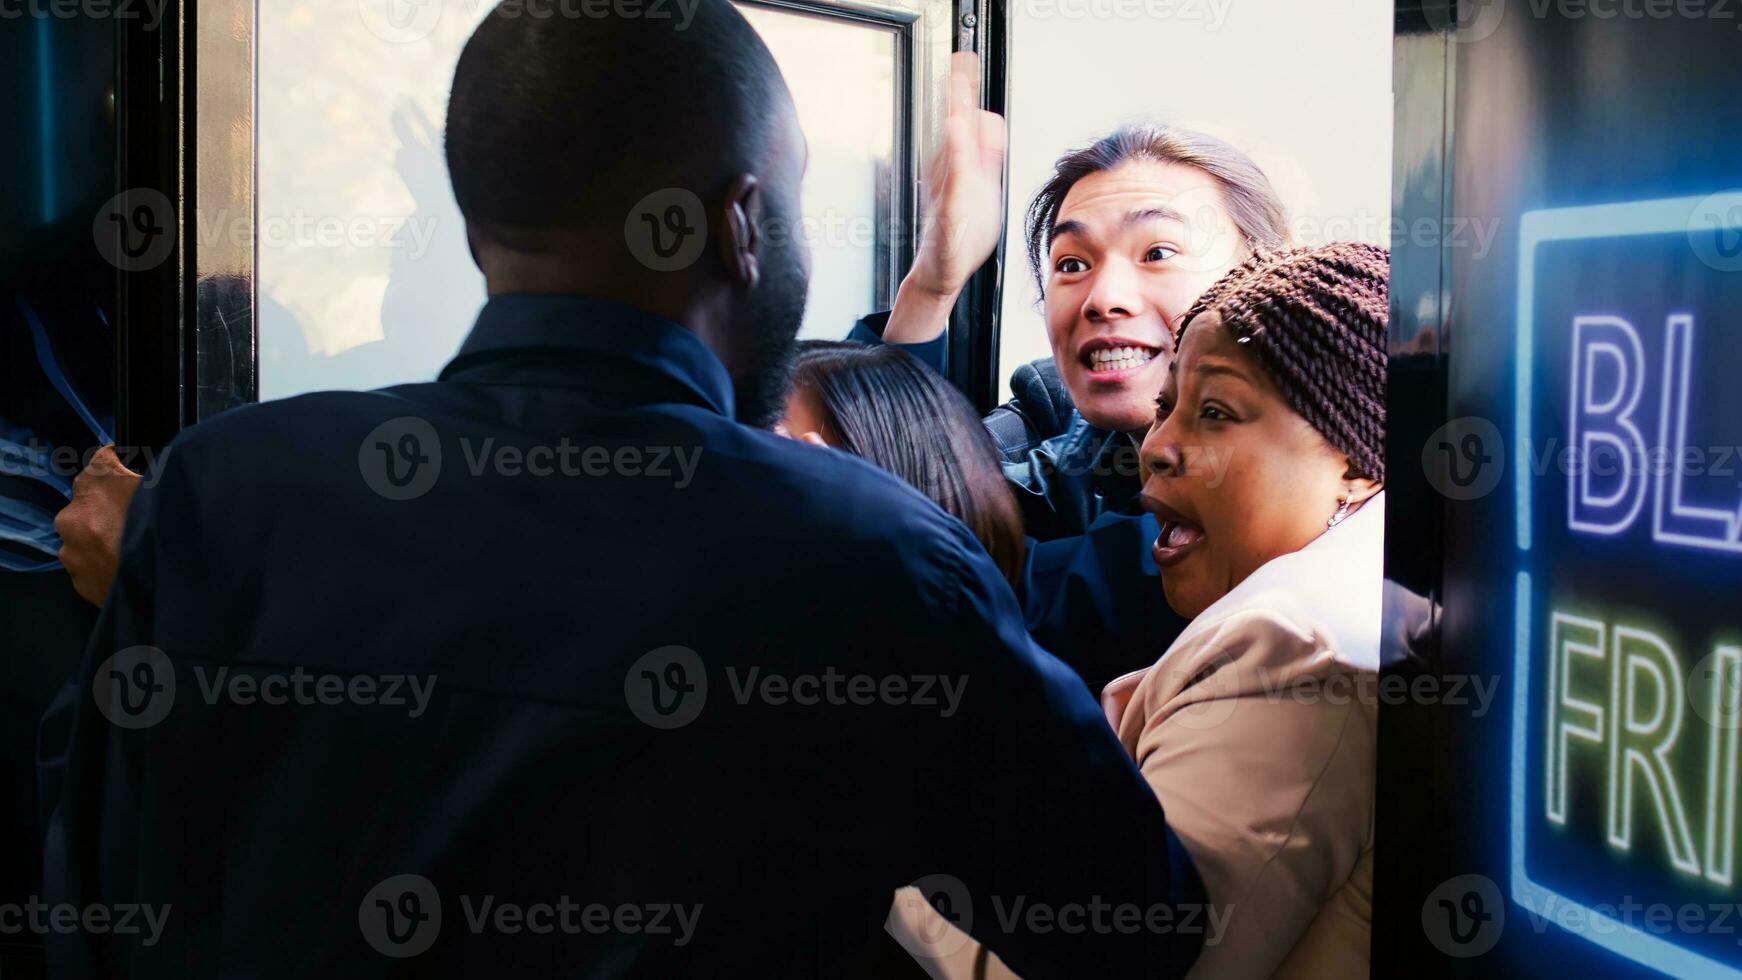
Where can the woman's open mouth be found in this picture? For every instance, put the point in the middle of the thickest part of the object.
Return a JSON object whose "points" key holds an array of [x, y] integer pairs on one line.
{"points": [[1114, 360], [1178, 538]]}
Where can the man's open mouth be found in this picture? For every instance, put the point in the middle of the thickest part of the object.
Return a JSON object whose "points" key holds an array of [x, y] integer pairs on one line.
{"points": [[1124, 357]]}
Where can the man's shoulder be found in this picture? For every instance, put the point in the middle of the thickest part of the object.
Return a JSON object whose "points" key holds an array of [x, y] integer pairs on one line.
{"points": [[834, 491], [300, 414]]}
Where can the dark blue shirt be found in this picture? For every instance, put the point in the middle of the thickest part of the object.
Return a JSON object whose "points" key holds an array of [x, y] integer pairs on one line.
{"points": [[1089, 587], [639, 699]]}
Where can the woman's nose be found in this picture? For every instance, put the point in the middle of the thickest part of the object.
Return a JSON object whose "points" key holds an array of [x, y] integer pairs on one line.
{"points": [[1160, 453]]}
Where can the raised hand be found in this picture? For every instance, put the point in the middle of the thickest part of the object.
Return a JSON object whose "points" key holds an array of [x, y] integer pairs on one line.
{"points": [[964, 210]]}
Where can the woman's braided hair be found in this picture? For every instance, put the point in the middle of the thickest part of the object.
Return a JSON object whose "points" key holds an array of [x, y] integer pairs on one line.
{"points": [[1316, 319]]}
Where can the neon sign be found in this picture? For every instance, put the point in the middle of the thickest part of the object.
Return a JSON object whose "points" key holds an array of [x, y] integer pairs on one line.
{"points": [[1625, 765]]}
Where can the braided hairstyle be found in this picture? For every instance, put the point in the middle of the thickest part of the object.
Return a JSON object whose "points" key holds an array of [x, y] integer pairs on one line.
{"points": [[1316, 318]]}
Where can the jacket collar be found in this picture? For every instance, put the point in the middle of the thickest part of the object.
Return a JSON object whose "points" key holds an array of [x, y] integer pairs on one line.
{"points": [[1334, 585], [513, 323]]}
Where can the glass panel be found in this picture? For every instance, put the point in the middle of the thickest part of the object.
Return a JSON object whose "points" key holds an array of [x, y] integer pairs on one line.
{"points": [[364, 275], [843, 79]]}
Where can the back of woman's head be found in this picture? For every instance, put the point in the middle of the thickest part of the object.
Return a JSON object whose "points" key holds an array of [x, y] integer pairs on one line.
{"points": [[880, 404]]}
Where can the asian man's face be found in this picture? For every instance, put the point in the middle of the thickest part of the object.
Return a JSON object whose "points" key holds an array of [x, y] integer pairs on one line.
{"points": [[1132, 248]]}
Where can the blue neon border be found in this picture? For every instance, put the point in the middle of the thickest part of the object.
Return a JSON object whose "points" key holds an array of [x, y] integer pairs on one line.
{"points": [[1653, 217]]}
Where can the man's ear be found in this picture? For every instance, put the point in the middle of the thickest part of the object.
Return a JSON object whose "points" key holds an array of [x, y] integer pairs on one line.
{"points": [[740, 232]]}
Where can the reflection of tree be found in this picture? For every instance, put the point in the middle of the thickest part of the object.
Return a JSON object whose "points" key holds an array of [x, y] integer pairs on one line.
{"points": [[358, 314]]}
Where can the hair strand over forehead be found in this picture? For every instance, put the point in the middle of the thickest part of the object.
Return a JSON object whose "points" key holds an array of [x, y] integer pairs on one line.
{"points": [[1251, 202]]}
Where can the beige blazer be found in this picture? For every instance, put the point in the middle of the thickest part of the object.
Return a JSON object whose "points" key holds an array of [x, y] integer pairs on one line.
{"points": [[1258, 732], [1260, 745]]}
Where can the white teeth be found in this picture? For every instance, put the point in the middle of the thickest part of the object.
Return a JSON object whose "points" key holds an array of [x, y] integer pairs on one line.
{"points": [[1119, 358]]}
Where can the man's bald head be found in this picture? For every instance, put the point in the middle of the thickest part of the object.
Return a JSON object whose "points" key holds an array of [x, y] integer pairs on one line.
{"points": [[564, 121]]}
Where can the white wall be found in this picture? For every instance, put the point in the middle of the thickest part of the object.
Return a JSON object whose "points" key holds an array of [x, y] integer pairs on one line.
{"points": [[1304, 88]]}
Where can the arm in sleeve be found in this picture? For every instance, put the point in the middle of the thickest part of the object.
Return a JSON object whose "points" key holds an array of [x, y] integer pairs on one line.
{"points": [[90, 753], [933, 353], [1095, 599], [1271, 792], [1064, 854]]}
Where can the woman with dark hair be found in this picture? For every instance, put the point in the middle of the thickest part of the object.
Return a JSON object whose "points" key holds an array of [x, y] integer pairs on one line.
{"points": [[1257, 727], [1122, 238], [880, 404]]}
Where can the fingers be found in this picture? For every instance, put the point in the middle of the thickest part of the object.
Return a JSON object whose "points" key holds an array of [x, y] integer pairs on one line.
{"points": [[964, 83], [994, 138], [961, 127]]}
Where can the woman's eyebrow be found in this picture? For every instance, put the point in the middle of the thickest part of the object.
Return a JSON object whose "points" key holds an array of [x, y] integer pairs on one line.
{"points": [[1203, 368]]}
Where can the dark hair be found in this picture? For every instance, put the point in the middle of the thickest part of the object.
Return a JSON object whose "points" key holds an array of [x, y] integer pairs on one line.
{"points": [[1316, 318], [881, 404], [565, 119], [1251, 202]]}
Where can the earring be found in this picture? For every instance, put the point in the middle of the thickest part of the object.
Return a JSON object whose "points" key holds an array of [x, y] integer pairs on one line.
{"points": [[1342, 512]]}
